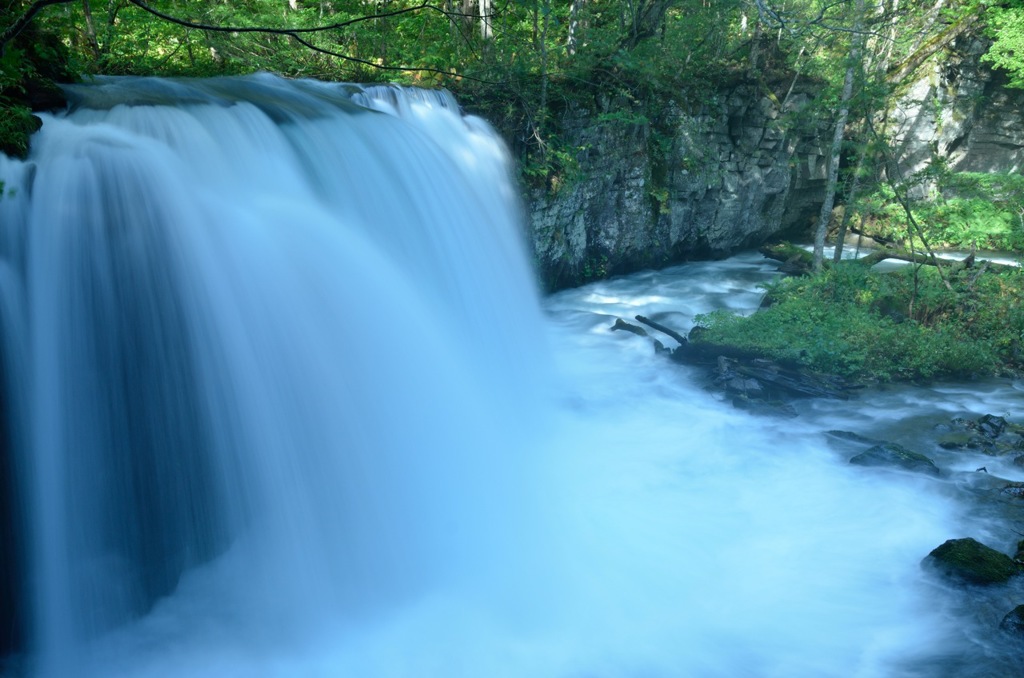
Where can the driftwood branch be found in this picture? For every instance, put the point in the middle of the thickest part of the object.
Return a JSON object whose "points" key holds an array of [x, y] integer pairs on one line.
{"points": [[620, 324], [661, 328], [953, 265]]}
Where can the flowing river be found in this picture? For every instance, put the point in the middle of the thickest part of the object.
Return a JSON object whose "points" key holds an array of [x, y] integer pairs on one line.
{"points": [[281, 399]]}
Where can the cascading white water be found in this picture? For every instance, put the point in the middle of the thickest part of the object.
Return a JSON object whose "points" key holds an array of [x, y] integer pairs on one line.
{"points": [[288, 406], [272, 331]]}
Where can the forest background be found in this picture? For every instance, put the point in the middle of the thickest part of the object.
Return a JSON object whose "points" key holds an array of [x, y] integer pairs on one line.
{"points": [[521, 64]]}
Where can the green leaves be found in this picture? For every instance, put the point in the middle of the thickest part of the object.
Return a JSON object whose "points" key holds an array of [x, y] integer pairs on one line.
{"points": [[1006, 27], [984, 211], [857, 323]]}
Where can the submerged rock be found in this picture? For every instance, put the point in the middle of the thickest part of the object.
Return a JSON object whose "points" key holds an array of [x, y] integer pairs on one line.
{"points": [[1013, 622], [896, 456], [850, 436], [968, 560]]}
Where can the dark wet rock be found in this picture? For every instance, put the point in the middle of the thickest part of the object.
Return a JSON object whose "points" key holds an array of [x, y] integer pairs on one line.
{"points": [[1013, 490], [896, 456], [964, 440], [1013, 622], [991, 426], [750, 388], [988, 434], [1018, 460], [968, 560], [736, 371], [1019, 555]]}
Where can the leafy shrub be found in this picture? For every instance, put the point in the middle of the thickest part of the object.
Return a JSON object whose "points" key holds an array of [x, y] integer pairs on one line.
{"points": [[985, 211], [858, 323]]}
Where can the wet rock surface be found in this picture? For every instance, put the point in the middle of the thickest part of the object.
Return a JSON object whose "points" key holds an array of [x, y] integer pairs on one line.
{"points": [[968, 560], [895, 456]]}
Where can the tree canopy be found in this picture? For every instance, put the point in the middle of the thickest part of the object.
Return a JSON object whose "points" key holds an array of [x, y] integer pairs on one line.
{"points": [[520, 62]]}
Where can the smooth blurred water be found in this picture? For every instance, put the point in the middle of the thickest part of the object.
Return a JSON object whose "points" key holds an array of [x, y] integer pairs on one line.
{"points": [[293, 407]]}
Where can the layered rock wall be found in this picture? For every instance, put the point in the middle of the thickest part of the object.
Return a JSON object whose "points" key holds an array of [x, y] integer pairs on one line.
{"points": [[698, 186], [962, 112], [744, 168]]}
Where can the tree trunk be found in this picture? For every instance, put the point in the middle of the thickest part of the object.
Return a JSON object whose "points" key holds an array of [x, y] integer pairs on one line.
{"points": [[837, 141], [90, 30], [833, 167], [486, 28], [572, 43]]}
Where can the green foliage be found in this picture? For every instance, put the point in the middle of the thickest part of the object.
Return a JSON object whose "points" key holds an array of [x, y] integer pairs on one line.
{"points": [[858, 323], [28, 66], [1006, 27], [16, 125], [985, 211]]}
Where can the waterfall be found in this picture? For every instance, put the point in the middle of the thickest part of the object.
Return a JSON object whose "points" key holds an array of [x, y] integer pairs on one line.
{"points": [[267, 322], [279, 397]]}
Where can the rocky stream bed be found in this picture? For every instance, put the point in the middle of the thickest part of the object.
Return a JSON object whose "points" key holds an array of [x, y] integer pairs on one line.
{"points": [[981, 583]]}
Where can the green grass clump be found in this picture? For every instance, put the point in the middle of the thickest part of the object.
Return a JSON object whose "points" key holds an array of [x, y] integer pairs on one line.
{"points": [[861, 324]]}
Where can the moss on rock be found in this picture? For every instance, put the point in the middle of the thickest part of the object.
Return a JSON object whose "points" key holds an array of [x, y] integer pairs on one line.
{"points": [[896, 456], [968, 560]]}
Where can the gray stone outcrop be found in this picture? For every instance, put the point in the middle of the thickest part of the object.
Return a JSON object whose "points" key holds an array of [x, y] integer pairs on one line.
{"points": [[961, 111], [742, 169], [698, 186]]}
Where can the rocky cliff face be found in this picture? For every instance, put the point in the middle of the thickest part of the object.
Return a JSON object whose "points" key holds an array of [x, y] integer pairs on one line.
{"points": [[704, 185], [962, 112], [742, 170]]}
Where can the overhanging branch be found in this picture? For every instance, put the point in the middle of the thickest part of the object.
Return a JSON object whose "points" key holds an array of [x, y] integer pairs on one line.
{"points": [[18, 26], [297, 34]]}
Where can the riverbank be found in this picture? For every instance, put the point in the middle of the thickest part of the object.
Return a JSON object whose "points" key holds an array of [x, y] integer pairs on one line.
{"points": [[911, 323]]}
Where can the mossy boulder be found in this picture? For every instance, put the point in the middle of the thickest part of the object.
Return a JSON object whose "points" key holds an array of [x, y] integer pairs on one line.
{"points": [[895, 456], [989, 434], [968, 560]]}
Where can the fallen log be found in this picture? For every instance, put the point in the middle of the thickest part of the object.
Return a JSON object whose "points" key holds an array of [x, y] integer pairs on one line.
{"points": [[798, 261], [620, 324], [927, 260], [663, 329], [795, 260]]}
